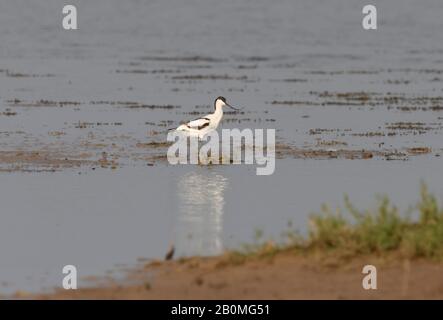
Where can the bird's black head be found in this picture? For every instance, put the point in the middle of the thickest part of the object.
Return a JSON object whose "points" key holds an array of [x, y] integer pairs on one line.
{"points": [[221, 102], [221, 98]]}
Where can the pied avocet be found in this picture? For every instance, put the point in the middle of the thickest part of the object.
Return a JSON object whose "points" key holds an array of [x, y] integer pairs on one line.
{"points": [[202, 126]]}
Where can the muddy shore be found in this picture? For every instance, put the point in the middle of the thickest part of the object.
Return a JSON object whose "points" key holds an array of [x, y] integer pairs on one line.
{"points": [[283, 276]]}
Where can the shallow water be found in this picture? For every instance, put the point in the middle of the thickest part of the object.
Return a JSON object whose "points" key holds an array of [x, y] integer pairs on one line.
{"points": [[105, 221], [136, 68]]}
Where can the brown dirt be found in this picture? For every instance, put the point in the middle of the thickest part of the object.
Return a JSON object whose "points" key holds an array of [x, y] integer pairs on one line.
{"points": [[89, 154], [283, 276], [40, 161]]}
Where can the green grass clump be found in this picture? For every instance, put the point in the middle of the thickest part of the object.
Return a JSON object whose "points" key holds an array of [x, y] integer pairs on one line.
{"points": [[381, 230], [354, 232]]}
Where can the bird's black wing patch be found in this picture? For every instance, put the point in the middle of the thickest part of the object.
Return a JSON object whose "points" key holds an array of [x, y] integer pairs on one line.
{"points": [[204, 125]]}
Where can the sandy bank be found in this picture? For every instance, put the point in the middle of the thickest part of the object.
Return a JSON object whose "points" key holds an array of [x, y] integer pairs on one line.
{"points": [[283, 276]]}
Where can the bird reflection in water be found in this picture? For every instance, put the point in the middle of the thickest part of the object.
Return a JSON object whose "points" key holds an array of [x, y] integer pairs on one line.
{"points": [[200, 216]]}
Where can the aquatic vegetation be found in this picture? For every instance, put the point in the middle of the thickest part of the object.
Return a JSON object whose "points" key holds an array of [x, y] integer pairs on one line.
{"points": [[382, 229], [352, 232]]}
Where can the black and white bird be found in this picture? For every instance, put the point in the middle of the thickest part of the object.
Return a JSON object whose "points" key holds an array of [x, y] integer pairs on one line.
{"points": [[202, 126]]}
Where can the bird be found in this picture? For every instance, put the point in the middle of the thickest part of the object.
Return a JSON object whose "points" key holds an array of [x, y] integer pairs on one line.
{"points": [[170, 254], [202, 126]]}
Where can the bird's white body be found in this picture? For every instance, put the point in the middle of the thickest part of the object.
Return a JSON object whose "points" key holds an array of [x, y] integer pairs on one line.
{"points": [[202, 126]]}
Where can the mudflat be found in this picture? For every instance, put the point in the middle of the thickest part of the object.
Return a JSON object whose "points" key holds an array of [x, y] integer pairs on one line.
{"points": [[283, 276]]}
